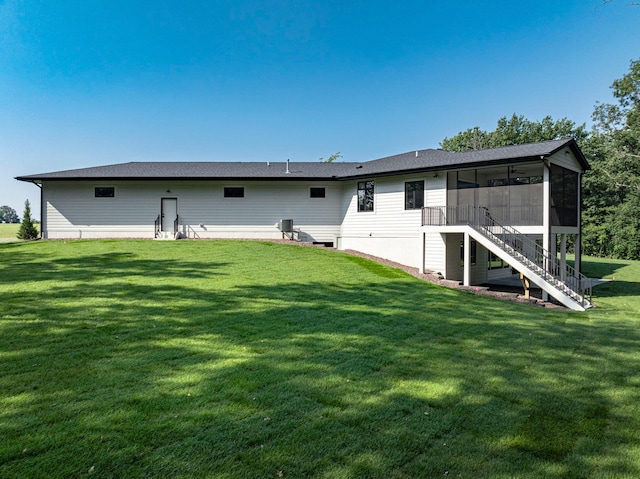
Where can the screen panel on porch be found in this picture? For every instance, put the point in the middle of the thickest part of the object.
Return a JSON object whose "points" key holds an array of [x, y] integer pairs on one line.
{"points": [[564, 196], [512, 194]]}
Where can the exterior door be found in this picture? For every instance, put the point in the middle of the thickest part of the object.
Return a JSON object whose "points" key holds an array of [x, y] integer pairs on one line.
{"points": [[168, 213]]}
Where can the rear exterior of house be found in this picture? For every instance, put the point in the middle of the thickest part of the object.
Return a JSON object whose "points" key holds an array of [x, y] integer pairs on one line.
{"points": [[470, 216], [203, 209]]}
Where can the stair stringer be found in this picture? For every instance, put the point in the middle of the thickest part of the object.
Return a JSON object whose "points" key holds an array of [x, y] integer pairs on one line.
{"points": [[519, 265]]}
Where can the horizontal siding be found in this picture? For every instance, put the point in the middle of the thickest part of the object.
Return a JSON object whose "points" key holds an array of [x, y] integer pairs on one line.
{"points": [[478, 272], [72, 211], [435, 248], [388, 231], [454, 271], [436, 191], [389, 218]]}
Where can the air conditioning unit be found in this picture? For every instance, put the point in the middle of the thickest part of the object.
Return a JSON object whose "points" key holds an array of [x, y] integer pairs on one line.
{"points": [[286, 226]]}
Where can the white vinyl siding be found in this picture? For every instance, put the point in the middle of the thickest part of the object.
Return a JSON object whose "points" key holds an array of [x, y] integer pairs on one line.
{"points": [[388, 231], [434, 257], [436, 190], [73, 212], [264, 204], [455, 269]]}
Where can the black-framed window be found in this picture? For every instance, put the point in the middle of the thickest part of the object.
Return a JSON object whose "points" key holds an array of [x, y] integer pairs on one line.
{"points": [[495, 262], [365, 195], [234, 191], [413, 195], [473, 254], [104, 192], [317, 192]]}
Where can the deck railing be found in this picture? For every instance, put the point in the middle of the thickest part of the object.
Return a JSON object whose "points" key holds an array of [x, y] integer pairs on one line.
{"points": [[523, 248]]}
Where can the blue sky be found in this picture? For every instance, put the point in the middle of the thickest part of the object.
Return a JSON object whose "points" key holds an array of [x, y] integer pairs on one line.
{"points": [[86, 83]]}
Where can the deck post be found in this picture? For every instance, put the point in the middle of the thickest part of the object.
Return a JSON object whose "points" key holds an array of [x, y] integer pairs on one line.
{"points": [[563, 256], [467, 260], [546, 215], [422, 253]]}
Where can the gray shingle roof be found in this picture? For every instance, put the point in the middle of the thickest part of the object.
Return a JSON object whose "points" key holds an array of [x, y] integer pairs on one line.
{"points": [[197, 171], [414, 161]]}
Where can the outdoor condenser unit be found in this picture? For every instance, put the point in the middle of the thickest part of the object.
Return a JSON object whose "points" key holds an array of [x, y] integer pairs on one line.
{"points": [[286, 226]]}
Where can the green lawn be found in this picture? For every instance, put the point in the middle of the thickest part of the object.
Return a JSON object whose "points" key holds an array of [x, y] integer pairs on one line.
{"points": [[9, 230], [258, 360]]}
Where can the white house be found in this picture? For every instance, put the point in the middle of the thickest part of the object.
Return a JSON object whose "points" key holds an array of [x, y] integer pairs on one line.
{"points": [[470, 216]]}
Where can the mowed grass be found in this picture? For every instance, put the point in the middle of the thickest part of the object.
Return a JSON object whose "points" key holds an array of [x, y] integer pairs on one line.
{"points": [[9, 230], [259, 360]]}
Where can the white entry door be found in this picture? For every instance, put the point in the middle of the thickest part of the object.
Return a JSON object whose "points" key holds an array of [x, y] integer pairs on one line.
{"points": [[169, 213]]}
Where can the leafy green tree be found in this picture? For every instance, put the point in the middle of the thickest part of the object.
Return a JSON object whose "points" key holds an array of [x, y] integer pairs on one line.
{"points": [[612, 187], [514, 131], [28, 230], [8, 215]]}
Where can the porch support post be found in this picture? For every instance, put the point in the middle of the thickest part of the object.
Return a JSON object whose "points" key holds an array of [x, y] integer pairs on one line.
{"points": [[563, 255], [422, 253], [467, 260], [577, 247], [546, 214]]}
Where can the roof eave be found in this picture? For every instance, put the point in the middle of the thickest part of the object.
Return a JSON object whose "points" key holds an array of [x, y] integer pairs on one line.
{"points": [[179, 178], [458, 166], [577, 152]]}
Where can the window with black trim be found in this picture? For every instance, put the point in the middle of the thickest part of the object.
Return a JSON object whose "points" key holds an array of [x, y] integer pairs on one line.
{"points": [[365, 195], [104, 192], [473, 254], [413, 195], [495, 262], [317, 192], [234, 191]]}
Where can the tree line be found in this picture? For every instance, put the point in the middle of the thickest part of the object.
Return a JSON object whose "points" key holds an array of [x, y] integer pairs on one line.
{"points": [[611, 188]]}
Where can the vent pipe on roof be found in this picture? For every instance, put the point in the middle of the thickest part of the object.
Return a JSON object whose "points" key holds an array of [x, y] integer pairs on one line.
{"points": [[268, 164], [287, 170], [416, 153]]}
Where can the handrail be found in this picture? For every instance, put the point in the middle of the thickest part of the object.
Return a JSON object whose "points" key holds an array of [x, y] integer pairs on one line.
{"points": [[175, 225], [156, 225], [525, 249]]}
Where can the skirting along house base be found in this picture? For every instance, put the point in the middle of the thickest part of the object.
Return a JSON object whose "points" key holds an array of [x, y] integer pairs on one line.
{"points": [[470, 216]]}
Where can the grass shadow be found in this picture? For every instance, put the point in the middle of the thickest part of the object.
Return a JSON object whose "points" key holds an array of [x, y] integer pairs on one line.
{"points": [[233, 371]]}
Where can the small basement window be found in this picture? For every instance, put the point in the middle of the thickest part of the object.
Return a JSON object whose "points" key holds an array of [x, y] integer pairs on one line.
{"points": [[317, 192], [234, 192], [104, 192]]}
